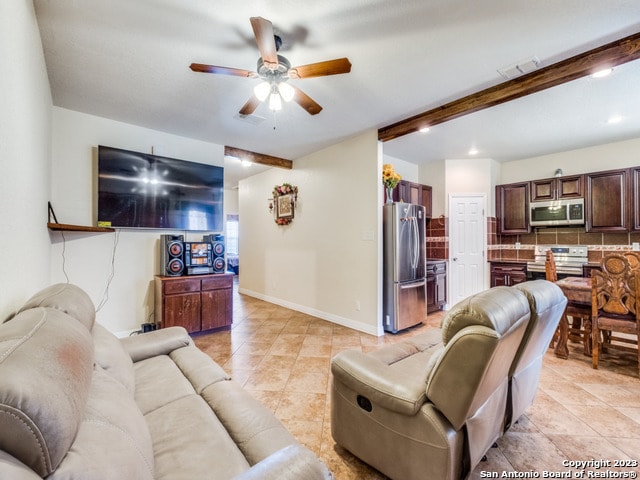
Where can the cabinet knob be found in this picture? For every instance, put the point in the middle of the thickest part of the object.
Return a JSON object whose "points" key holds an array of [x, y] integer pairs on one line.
{"points": [[454, 259]]}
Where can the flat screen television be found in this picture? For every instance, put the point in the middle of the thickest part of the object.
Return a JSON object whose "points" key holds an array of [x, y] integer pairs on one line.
{"points": [[140, 190]]}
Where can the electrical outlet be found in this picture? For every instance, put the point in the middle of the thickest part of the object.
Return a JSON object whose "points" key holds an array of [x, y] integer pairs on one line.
{"points": [[358, 305], [518, 245], [635, 246]]}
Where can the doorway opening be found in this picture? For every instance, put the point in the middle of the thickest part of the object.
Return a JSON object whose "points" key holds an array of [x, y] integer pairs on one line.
{"points": [[232, 229]]}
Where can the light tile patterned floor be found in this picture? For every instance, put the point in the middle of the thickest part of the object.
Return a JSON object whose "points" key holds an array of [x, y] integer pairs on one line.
{"points": [[282, 357]]}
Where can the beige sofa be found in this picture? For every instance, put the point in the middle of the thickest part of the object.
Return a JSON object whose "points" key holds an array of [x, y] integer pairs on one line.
{"points": [[431, 406], [78, 403]]}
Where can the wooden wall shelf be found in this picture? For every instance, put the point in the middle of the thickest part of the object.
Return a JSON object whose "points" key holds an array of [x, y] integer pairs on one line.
{"points": [[77, 228]]}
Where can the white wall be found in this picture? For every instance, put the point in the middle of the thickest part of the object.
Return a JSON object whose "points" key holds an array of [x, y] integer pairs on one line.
{"points": [[130, 257], [408, 171], [230, 201], [25, 129], [592, 159], [434, 174], [327, 262], [476, 175]]}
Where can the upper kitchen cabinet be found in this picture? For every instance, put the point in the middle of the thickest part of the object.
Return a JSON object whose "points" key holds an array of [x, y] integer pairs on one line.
{"points": [[557, 188], [634, 202], [416, 193], [426, 200], [607, 208], [512, 203]]}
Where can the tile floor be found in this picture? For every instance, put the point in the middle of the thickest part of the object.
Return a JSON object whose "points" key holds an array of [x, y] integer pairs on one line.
{"points": [[282, 357]]}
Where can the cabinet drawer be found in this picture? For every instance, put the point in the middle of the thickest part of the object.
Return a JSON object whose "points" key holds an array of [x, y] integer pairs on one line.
{"points": [[214, 282], [181, 286], [509, 270]]}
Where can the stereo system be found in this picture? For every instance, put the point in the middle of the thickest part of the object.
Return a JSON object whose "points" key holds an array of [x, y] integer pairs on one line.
{"points": [[178, 257], [217, 245]]}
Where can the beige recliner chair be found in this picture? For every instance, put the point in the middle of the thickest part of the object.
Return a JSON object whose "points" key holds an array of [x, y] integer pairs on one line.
{"points": [[547, 304], [430, 407]]}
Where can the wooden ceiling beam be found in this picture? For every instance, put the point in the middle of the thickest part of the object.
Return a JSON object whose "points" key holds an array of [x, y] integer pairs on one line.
{"points": [[260, 158], [581, 65]]}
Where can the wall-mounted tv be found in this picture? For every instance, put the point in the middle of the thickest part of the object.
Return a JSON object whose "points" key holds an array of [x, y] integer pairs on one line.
{"points": [[139, 190]]}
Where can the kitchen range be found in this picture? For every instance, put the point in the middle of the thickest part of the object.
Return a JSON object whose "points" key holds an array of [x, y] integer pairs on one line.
{"points": [[569, 259]]}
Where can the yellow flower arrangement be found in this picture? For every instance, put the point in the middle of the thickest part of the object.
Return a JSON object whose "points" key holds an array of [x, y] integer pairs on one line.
{"points": [[390, 178]]}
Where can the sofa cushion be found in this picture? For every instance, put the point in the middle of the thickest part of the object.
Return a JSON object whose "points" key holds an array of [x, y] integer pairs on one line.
{"points": [[254, 428], [189, 442], [68, 298], [162, 379], [159, 381], [111, 356], [113, 441], [13, 469], [46, 363]]}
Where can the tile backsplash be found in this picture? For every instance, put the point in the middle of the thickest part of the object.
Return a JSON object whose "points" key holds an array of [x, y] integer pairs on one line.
{"points": [[437, 233], [503, 247]]}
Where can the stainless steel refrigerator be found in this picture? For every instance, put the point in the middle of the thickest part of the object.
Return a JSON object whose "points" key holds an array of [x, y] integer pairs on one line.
{"points": [[404, 283]]}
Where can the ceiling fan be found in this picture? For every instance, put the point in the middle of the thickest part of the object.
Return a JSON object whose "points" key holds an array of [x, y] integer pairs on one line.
{"points": [[275, 71]]}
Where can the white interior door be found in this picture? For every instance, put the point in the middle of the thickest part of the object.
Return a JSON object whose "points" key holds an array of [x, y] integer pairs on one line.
{"points": [[467, 246]]}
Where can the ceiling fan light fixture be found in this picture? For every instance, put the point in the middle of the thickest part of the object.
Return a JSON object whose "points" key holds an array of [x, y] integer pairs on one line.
{"points": [[275, 101], [262, 90], [287, 92]]}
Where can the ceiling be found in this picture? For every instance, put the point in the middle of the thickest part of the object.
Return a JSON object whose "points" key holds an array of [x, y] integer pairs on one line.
{"points": [[129, 61]]}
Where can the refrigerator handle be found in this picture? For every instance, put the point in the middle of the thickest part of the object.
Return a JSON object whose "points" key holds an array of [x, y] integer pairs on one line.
{"points": [[416, 243], [406, 286]]}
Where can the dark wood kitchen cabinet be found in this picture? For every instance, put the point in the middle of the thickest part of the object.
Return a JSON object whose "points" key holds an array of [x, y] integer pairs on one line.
{"points": [[507, 274], [634, 202], [197, 303], [557, 187], [512, 202], [436, 286], [607, 206], [416, 193]]}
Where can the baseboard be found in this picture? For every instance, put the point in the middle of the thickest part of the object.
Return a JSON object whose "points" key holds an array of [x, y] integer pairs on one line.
{"points": [[345, 322]]}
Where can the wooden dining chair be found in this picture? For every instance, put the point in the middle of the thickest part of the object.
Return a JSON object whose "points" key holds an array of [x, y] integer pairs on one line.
{"points": [[615, 303], [551, 275], [578, 329]]}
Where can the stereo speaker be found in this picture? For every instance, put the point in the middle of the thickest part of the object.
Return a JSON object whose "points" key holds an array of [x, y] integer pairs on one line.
{"points": [[217, 243], [172, 255]]}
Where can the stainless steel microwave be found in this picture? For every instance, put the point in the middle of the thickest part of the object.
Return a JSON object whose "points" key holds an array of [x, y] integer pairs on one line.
{"points": [[557, 212]]}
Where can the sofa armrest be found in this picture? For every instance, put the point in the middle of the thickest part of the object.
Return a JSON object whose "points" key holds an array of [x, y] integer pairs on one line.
{"points": [[382, 385], [157, 342], [289, 463]]}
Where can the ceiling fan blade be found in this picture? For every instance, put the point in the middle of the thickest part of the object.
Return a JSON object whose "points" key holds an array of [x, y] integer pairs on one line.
{"points": [[236, 72], [250, 107], [263, 31], [306, 102], [320, 69]]}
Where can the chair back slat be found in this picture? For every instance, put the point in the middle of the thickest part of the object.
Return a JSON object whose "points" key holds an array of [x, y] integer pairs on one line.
{"points": [[551, 274], [614, 288]]}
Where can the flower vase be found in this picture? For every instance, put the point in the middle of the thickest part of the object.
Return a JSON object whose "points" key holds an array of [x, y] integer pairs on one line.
{"points": [[389, 194]]}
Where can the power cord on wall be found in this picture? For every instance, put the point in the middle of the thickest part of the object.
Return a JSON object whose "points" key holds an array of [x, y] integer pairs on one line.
{"points": [[64, 259], [105, 296]]}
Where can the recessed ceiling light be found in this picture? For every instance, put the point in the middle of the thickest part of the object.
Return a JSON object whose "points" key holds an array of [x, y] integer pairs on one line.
{"points": [[424, 130], [614, 119], [473, 151], [245, 163], [602, 73]]}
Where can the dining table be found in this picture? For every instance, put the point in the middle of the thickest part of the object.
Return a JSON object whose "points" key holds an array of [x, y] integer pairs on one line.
{"points": [[578, 293]]}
